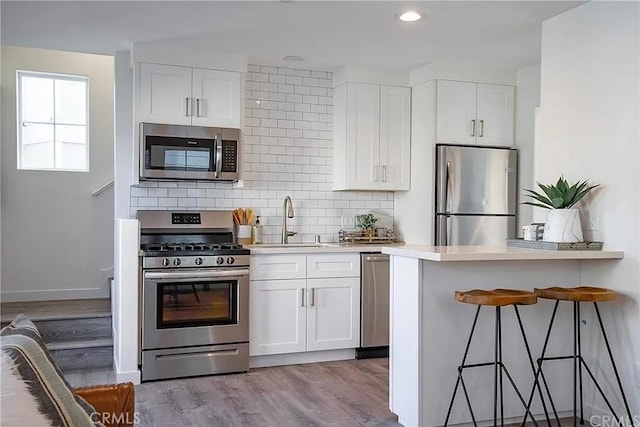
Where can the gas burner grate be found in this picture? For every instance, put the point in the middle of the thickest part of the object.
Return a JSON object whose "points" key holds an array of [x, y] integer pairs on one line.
{"points": [[186, 247]]}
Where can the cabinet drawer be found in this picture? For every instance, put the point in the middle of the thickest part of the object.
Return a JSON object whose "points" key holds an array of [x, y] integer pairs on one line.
{"points": [[269, 267], [333, 265]]}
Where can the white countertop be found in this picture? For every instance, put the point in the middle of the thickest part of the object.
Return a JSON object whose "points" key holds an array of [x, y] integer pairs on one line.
{"points": [[493, 253], [273, 249]]}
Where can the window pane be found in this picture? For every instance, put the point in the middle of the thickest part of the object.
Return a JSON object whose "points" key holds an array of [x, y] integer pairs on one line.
{"points": [[37, 147], [71, 156], [71, 102], [71, 148], [37, 99]]}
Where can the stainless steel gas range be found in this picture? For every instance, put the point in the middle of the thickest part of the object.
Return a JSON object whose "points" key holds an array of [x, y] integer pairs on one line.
{"points": [[195, 295]]}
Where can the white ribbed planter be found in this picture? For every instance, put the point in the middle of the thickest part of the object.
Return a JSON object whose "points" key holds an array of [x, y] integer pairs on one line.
{"points": [[563, 225]]}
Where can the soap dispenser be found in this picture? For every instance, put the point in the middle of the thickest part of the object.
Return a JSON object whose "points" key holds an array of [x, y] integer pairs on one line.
{"points": [[256, 232]]}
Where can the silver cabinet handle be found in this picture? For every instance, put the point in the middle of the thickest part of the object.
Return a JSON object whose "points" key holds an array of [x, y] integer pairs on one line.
{"points": [[481, 129], [197, 107], [187, 107], [473, 127], [376, 173], [313, 297], [384, 173], [302, 303]]}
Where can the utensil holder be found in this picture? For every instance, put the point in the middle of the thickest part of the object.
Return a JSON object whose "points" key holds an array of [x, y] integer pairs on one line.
{"points": [[243, 234]]}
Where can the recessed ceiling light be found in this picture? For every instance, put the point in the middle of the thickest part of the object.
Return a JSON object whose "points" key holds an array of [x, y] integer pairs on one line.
{"points": [[293, 58], [409, 16]]}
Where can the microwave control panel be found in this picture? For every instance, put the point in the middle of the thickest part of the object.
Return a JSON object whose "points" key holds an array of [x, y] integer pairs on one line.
{"points": [[229, 156]]}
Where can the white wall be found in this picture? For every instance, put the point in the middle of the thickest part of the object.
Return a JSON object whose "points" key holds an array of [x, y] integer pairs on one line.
{"points": [[287, 150], [414, 208], [589, 128], [527, 100], [57, 239]]}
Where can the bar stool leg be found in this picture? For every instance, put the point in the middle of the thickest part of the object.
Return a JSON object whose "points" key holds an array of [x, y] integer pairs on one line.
{"points": [[580, 362], [540, 374], [499, 313], [460, 380], [495, 369], [613, 363], [533, 368]]}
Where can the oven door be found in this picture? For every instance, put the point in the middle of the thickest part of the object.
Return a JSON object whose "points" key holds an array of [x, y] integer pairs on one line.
{"points": [[195, 307]]}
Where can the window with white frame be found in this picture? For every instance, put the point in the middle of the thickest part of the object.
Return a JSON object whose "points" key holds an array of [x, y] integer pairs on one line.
{"points": [[53, 125]]}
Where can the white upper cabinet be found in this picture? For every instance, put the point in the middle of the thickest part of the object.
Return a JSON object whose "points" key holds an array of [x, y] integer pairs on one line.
{"points": [[189, 96], [395, 137], [371, 137], [165, 92], [217, 95], [474, 113]]}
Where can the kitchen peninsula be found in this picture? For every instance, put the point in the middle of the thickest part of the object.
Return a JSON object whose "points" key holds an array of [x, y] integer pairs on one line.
{"points": [[429, 328]]}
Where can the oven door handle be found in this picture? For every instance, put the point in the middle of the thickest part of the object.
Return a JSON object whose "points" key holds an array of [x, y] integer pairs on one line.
{"points": [[181, 275]]}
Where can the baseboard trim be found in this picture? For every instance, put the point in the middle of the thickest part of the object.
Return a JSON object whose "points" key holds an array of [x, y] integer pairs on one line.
{"points": [[50, 295], [300, 358], [125, 376]]}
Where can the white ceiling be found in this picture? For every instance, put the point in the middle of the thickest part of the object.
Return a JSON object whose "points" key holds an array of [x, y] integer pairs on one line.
{"points": [[329, 35]]}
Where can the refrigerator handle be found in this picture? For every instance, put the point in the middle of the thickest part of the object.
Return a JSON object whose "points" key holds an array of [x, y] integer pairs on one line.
{"points": [[447, 181], [444, 230]]}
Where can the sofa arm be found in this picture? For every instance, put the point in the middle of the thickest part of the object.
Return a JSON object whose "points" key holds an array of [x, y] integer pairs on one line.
{"points": [[114, 403]]}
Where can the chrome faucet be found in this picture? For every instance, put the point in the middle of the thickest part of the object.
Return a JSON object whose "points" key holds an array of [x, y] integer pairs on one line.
{"points": [[286, 213]]}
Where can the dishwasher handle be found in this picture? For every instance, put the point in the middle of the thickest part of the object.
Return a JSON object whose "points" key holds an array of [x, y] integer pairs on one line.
{"points": [[377, 258]]}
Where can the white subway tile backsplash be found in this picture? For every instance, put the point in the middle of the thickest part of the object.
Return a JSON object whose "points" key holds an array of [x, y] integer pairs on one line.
{"points": [[287, 150]]}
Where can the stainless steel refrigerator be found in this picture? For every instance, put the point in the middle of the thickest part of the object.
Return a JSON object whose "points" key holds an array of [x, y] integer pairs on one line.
{"points": [[476, 195]]}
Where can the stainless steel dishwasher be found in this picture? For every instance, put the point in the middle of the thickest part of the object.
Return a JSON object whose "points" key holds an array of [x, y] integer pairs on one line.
{"points": [[374, 306]]}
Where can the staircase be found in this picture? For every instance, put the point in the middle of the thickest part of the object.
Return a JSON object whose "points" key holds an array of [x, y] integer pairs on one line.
{"points": [[76, 332]]}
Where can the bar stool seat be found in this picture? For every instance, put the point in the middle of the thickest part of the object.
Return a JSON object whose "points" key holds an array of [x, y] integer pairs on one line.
{"points": [[577, 295], [580, 294], [496, 297]]}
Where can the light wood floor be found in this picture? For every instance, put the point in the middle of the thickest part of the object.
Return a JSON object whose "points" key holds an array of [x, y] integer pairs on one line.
{"points": [[347, 393]]}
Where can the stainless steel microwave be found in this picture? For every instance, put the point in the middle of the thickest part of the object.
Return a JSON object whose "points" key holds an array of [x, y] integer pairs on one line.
{"points": [[189, 152]]}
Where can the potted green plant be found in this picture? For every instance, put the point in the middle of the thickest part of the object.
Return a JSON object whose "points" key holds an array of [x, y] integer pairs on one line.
{"points": [[563, 219], [367, 222]]}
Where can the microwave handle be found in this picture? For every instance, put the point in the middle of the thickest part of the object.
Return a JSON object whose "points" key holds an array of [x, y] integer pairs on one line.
{"points": [[218, 144]]}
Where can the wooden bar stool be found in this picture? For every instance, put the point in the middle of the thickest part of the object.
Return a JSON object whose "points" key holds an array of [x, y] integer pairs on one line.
{"points": [[577, 295], [497, 298]]}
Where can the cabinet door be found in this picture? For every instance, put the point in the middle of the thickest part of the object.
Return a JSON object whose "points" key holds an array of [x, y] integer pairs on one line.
{"points": [[363, 136], [495, 115], [217, 98], [333, 313], [277, 318], [165, 91], [395, 137], [456, 112]]}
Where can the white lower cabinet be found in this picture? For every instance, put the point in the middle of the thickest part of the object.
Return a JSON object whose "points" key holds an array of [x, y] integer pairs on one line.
{"points": [[278, 322], [310, 314], [333, 319]]}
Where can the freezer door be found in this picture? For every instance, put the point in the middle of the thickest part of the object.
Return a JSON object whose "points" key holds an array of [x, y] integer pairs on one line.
{"points": [[474, 230], [476, 180]]}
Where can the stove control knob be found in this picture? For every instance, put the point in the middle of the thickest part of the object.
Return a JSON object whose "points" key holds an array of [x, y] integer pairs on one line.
{"points": [[177, 262], [219, 260], [165, 262], [198, 261], [230, 260]]}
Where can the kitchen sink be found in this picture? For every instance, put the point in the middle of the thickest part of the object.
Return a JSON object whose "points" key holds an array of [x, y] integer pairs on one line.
{"points": [[296, 245]]}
